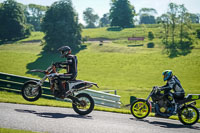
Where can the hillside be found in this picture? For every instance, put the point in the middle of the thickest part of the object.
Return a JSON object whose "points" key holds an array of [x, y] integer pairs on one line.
{"points": [[116, 65]]}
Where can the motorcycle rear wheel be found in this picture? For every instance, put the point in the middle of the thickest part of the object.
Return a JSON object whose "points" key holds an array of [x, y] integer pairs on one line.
{"points": [[188, 115], [85, 106], [140, 109], [30, 91]]}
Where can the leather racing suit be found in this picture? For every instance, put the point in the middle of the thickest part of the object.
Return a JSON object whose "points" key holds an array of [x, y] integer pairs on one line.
{"points": [[174, 84], [71, 72]]}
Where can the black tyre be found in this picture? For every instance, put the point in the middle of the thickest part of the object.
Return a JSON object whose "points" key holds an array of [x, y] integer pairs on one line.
{"points": [[188, 115], [31, 92], [140, 109], [85, 106]]}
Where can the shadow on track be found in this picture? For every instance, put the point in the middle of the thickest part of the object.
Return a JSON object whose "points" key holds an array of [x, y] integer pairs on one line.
{"points": [[167, 124], [53, 115]]}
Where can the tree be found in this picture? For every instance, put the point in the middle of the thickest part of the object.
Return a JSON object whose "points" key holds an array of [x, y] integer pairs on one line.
{"points": [[150, 35], [34, 15], [12, 25], [184, 22], [149, 11], [198, 33], [147, 16], [194, 18], [147, 19], [104, 21], [198, 15], [90, 18], [165, 20], [173, 15], [176, 23], [122, 13], [61, 26]]}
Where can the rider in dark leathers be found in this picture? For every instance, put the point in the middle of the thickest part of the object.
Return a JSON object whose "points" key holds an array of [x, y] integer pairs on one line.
{"points": [[71, 67], [174, 84]]}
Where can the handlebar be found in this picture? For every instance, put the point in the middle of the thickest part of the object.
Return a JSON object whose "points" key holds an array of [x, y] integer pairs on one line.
{"points": [[156, 88], [38, 70], [50, 69]]}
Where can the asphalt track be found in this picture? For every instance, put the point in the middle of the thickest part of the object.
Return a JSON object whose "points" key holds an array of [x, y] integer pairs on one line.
{"points": [[65, 120]]}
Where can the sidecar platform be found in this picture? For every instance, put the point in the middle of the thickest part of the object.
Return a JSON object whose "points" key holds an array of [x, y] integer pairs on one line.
{"points": [[193, 96], [189, 98]]}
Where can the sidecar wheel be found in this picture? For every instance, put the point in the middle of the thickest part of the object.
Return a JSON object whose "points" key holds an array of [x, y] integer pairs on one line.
{"points": [[188, 115], [140, 109]]}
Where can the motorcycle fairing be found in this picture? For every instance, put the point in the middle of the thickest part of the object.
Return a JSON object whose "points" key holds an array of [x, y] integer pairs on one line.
{"points": [[79, 84]]}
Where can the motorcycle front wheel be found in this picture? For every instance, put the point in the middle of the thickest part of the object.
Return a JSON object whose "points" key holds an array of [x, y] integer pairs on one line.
{"points": [[188, 115], [31, 91], [85, 104], [140, 109]]}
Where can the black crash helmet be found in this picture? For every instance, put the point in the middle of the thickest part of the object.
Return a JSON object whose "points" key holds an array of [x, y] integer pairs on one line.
{"points": [[65, 51]]}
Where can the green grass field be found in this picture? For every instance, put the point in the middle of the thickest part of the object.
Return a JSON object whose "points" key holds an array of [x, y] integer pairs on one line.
{"points": [[117, 65]]}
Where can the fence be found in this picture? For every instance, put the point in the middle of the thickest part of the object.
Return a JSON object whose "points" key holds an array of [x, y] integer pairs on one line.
{"points": [[14, 83]]}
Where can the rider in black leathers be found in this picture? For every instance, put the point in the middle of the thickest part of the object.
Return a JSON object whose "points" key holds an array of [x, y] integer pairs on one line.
{"points": [[71, 67]]}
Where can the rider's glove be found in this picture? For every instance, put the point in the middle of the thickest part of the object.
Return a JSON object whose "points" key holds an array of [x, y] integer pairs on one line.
{"points": [[158, 88], [161, 89]]}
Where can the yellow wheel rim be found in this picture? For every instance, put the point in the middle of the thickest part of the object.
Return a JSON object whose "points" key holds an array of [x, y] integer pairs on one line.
{"points": [[140, 109], [189, 115]]}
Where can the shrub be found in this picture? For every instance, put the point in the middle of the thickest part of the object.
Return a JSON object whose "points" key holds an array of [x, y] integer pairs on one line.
{"points": [[114, 28], [150, 45], [198, 33], [150, 35]]}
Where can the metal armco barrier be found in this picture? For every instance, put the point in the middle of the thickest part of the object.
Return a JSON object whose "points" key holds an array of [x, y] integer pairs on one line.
{"points": [[14, 83]]}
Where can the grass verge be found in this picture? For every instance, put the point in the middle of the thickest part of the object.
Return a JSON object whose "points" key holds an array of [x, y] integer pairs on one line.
{"points": [[6, 130]]}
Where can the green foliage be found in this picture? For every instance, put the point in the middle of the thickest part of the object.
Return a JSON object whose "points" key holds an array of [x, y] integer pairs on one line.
{"points": [[147, 16], [61, 26], [150, 45], [90, 18], [114, 28], [104, 21], [84, 39], [148, 11], [146, 19], [194, 18], [176, 24], [198, 33], [150, 35], [34, 15], [122, 13], [12, 24]]}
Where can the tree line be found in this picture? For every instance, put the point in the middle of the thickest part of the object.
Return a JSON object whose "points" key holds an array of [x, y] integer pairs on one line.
{"points": [[60, 23], [121, 13], [18, 20]]}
